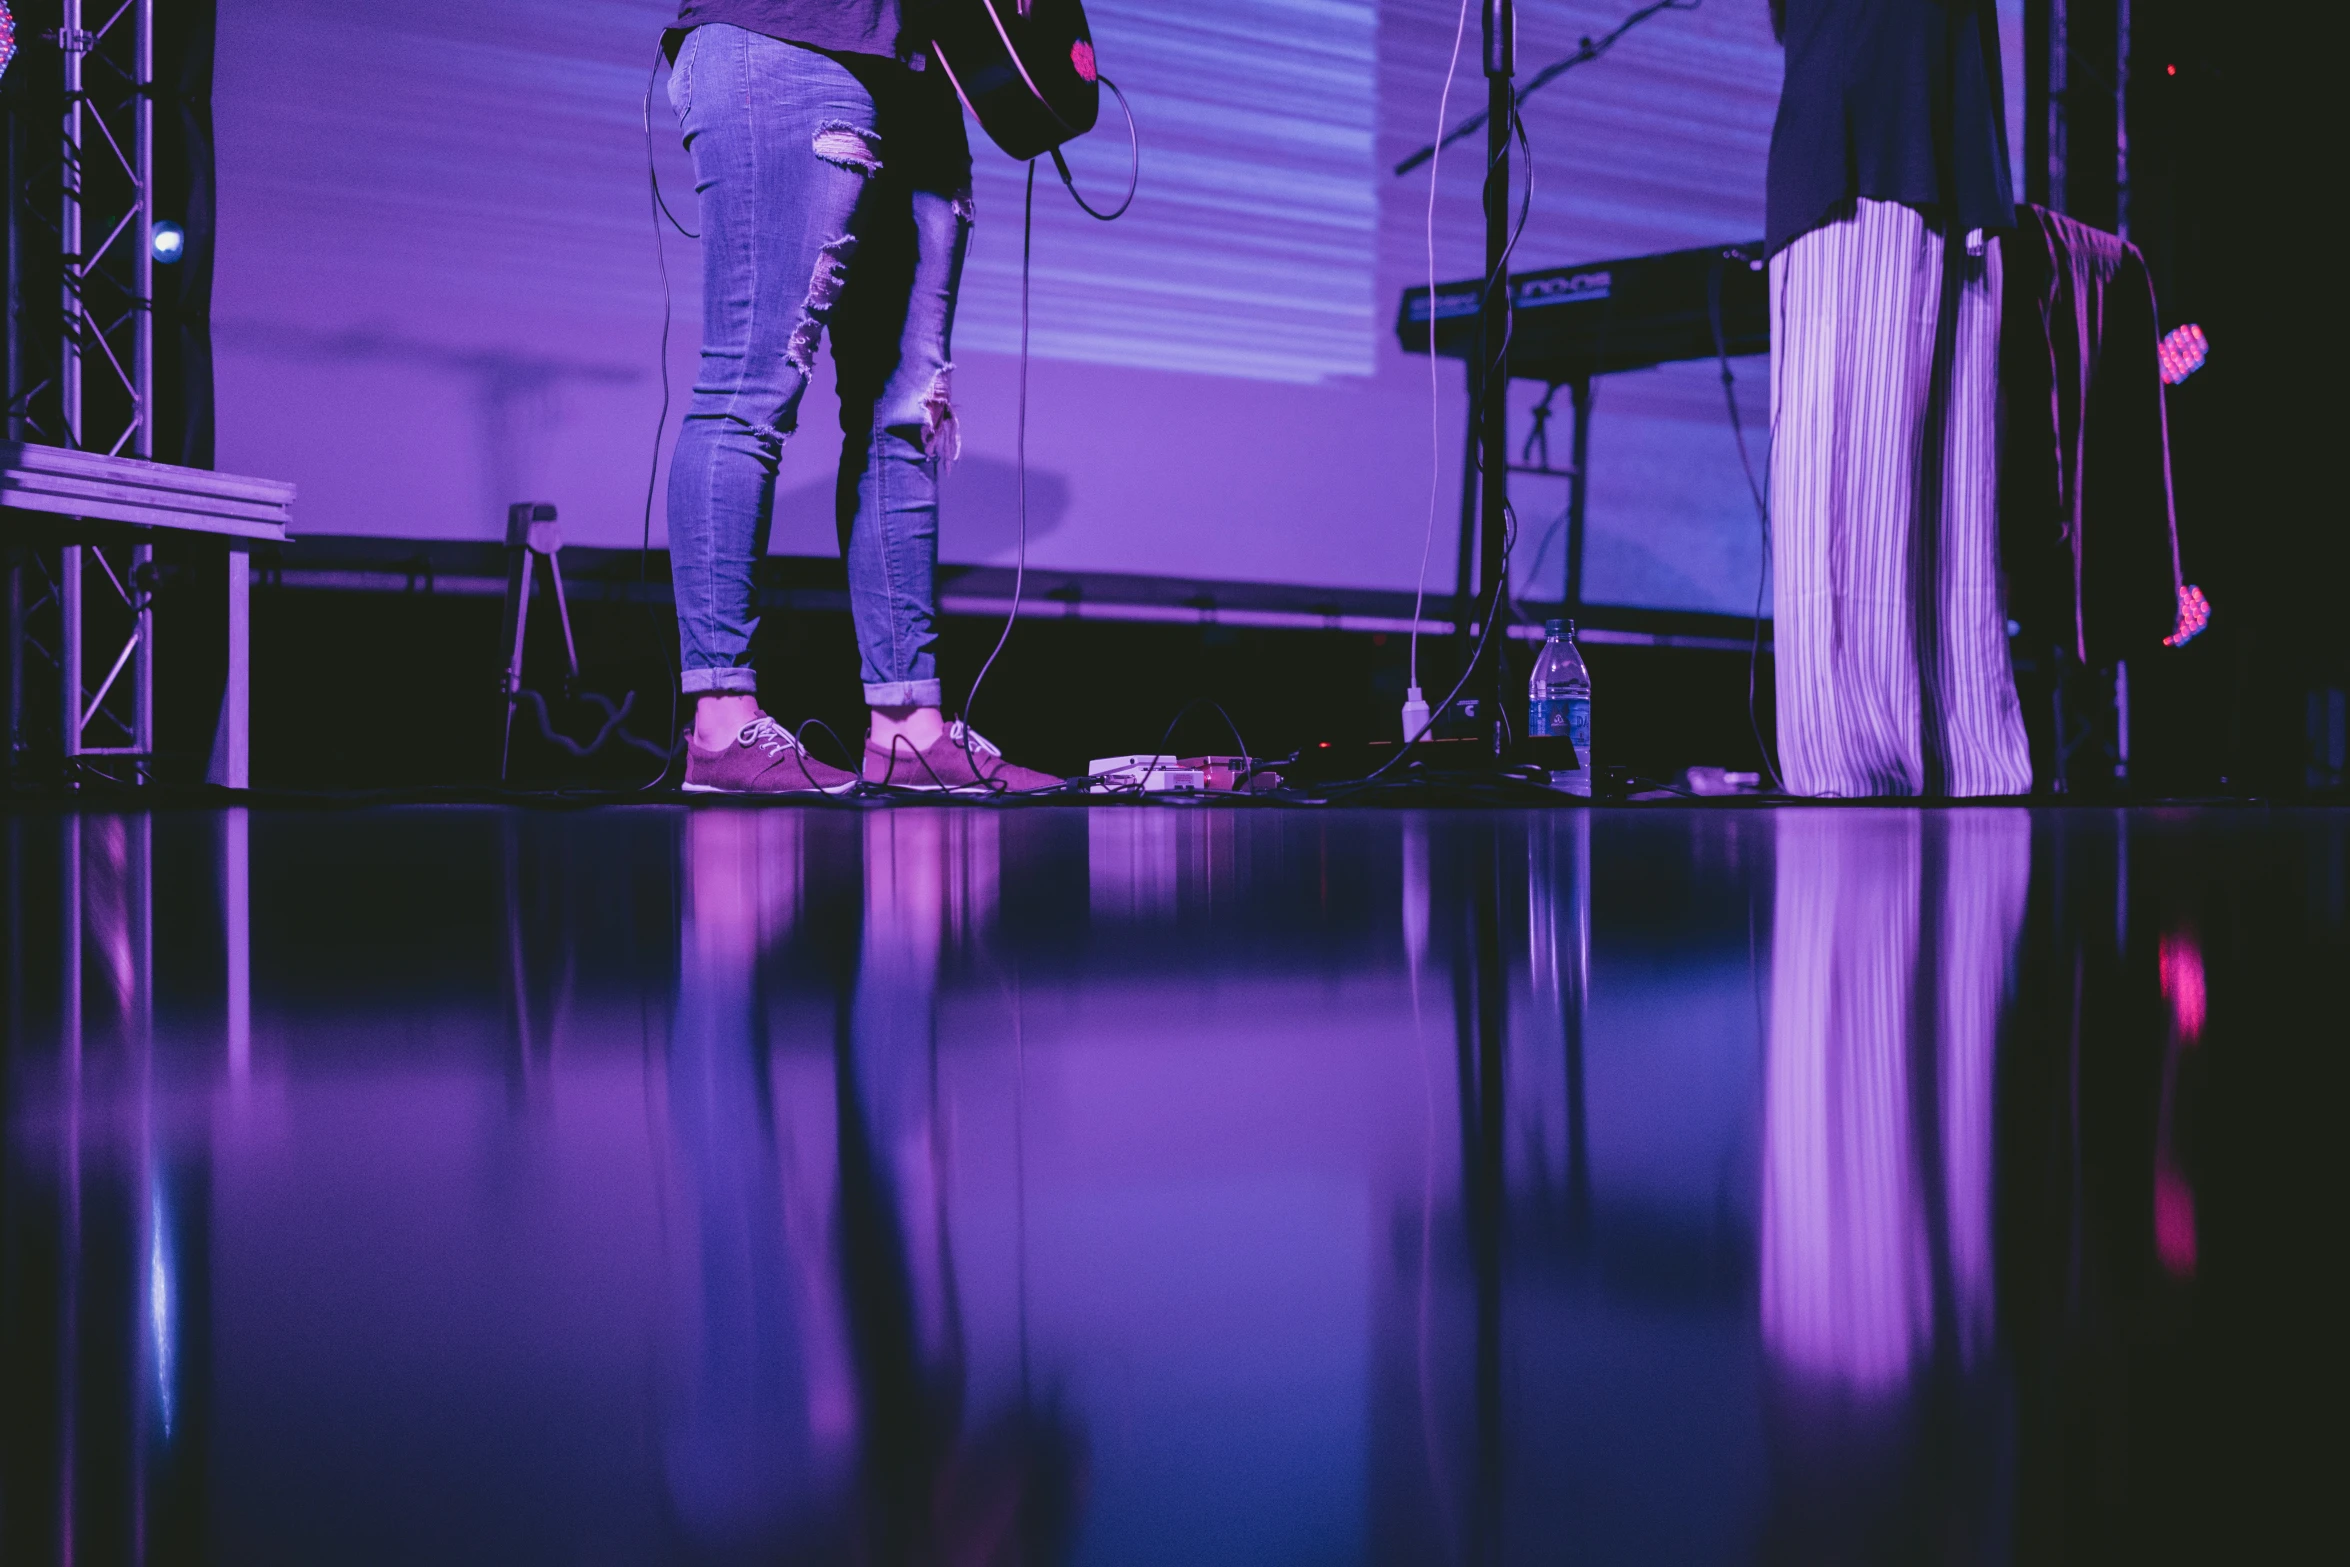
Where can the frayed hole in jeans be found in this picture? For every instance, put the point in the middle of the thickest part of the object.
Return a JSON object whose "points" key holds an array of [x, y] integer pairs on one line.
{"points": [[849, 147], [942, 434], [824, 286]]}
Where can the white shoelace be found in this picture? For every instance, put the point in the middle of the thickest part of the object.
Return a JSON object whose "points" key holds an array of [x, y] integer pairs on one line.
{"points": [[970, 739], [770, 736]]}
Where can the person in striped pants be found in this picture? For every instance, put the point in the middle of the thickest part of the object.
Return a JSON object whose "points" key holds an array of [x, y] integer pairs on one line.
{"points": [[1889, 189]]}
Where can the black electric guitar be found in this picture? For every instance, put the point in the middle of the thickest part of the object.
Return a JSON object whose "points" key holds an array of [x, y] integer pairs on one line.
{"points": [[1024, 68]]}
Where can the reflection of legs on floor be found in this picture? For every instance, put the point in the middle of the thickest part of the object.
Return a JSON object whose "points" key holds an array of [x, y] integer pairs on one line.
{"points": [[1845, 1288], [1987, 872], [1892, 943], [893, 1033], [1891, 949], [758, 1440], [897, 1257]]}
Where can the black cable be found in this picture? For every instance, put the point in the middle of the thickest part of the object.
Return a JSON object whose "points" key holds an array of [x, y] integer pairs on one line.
{"points": [[1490, 384], [1027, 251], [1482, 387], [1762, 509], [1020, 449], [660, 57], [801, 734], [644, 557], [1142, 784], [1492, 614], [1500, 278], [1134, 165]]}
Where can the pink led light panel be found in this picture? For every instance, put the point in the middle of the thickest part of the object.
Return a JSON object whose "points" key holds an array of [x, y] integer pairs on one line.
{"points": [[2181, 353]]}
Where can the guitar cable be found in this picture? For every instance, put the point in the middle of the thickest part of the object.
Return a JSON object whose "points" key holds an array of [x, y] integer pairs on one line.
{"points": [[1762, 512], [1020, 449], [1020, 445], [660, 212], [1133, 164], [644, 556]]}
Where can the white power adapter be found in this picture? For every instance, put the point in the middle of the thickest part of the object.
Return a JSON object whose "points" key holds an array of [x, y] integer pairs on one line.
{"points": [[1415, 715]]}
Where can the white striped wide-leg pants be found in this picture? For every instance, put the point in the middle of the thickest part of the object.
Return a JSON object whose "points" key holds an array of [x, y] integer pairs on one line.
{"points": [[1890, 630]]}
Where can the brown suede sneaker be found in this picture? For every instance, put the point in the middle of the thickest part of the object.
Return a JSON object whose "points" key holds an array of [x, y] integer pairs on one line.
{"points": [[961, 761], [765, 758]]}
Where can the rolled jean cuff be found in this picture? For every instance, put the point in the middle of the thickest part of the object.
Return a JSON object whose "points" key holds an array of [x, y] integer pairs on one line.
{"points": [[904, 693], [733, 680]]}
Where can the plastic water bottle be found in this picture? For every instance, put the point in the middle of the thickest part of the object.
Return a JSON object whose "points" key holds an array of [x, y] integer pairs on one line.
{"points": [[1558, 702]]}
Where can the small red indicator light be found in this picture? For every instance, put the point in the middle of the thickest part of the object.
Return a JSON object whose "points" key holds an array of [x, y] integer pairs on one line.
{"points": [[2170, 70]]}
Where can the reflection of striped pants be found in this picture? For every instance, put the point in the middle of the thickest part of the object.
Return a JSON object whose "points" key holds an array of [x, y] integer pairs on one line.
{"points": [[1891, 630], [1889, 953]]}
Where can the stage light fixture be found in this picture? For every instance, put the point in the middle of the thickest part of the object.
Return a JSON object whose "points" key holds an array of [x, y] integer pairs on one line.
{"points": [[171, 242], [2194, 615], [2181, 353], [7, 37]]}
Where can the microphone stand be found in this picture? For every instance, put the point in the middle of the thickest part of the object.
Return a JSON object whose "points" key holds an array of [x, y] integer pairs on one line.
{"points": [[1490, 384]]}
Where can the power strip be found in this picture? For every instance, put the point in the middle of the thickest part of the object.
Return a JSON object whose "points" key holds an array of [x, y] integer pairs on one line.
{"points": [[1143, 774]]}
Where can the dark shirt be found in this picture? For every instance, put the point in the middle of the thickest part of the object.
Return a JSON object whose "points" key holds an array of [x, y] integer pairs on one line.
{"points": [[834, 26], [1894, 100], [884, 44]]}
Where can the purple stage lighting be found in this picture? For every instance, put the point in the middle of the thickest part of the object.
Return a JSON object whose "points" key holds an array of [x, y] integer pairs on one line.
{"points": [[2181, 353], [7, 38]]}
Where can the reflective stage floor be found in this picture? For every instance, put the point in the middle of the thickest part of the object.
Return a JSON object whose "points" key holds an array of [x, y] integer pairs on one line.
{"points": [[1152, 1185]]}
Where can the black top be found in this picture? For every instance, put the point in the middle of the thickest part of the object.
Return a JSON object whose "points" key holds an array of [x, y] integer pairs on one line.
{"points": [[879, 27], [884, 44], [1894, 100]]}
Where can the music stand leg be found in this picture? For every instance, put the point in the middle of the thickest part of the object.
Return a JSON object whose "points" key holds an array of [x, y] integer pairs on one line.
{"points": [[518, 575]]}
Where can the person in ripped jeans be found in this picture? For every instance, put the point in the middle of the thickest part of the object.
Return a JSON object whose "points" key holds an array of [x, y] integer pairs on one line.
{"points": [[835, 185]]}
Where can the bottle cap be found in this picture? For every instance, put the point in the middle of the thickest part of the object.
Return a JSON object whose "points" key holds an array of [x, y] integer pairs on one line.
{"points": [[1555, 628]]}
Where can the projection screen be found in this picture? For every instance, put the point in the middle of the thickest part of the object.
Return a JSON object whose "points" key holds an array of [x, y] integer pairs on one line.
{"points": [[439, 290]]}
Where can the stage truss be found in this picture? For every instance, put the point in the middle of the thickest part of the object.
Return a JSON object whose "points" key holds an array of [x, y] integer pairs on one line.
{"points": [[86, 610]]}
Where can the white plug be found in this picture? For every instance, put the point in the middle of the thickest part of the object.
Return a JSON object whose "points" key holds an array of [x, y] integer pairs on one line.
{"points": [[1415, 715]]}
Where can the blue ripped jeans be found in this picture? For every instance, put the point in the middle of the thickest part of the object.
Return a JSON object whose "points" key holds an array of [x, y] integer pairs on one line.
{"points": [[812, 219]]}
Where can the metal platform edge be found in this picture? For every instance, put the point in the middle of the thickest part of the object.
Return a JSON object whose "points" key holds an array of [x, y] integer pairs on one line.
{"points": [[55, 482]]}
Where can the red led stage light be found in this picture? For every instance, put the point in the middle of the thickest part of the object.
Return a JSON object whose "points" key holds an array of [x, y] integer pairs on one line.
{"points": [[2194, 615], [2181, 353], [7, 38]]}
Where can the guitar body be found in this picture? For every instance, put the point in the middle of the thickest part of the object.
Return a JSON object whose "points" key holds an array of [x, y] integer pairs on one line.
{"points": [[1025, 69]]}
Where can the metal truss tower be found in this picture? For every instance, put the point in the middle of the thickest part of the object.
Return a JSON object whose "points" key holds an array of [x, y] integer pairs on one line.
{"points": [[90, 386]]}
